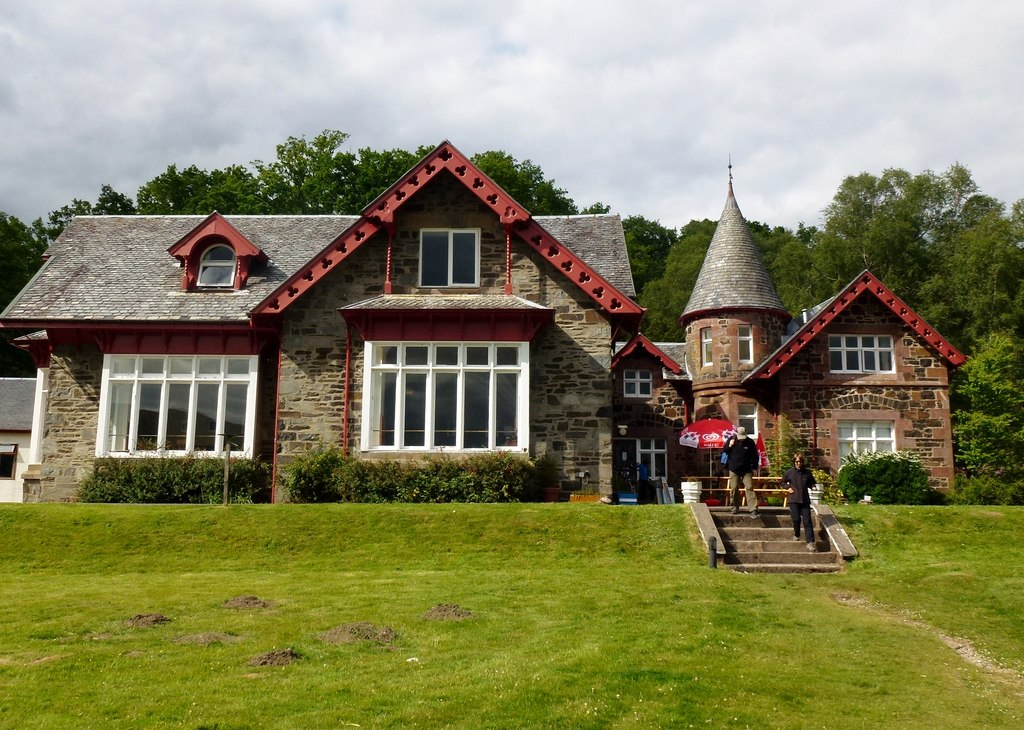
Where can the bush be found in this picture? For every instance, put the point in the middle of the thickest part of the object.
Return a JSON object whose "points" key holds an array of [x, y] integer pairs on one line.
{"points": [[830, 491], [889, 477], [327, 475], [184, 480], [986, 489]]}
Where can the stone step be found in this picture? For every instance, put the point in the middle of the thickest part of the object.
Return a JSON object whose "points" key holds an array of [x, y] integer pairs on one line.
{"points": [[796, 557], [785, 568], [767, 546]]}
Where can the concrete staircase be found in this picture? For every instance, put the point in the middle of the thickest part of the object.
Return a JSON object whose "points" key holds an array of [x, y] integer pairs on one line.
{"points": [[766, 544]]}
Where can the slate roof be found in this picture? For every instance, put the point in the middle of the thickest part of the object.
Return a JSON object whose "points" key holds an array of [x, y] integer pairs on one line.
{"points": [[733, 275], [16, 398], [116, 268]]}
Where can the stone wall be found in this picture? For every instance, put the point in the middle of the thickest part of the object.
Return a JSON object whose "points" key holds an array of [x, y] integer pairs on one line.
{"points": [[70, 423], [570, 384], [915, 397]]}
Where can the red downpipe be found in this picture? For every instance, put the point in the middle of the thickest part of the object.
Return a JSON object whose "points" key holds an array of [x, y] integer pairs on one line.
{"points": [[348, 389], [277, 422], [814, 423]]}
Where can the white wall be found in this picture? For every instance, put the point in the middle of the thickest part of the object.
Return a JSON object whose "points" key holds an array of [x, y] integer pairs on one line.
{"points": [[11, 489]]}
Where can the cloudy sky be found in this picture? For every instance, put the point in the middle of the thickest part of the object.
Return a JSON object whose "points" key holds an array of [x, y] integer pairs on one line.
{"points": [[636, 104]]}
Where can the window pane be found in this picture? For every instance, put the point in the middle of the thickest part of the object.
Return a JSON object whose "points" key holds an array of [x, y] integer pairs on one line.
{"points": [[152, 366], [235, 398], [206, 416], [447, 355], [477, 355], [122, 365], [835, 341], [238, 366], [120, 411], [387, 355], [434, 258], [445, 409], [852, 341], [869, 360], [386, 417], [867, 341], [463, 258], [415, 409], [508, 355], [416, 355], [209, 366], [215, 275], [885, 361], [177, 415], [180, 366], [835, 360], [505, 408], [630, 388], [852, 360], [148, 416], [476, 410]]}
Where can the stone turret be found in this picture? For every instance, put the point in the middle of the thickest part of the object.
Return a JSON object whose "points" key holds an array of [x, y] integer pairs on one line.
{"points": [[734, 318]]}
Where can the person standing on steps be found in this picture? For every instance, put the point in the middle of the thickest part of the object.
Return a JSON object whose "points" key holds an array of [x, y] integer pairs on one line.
{"points": [[742, 460], [799, 481]]}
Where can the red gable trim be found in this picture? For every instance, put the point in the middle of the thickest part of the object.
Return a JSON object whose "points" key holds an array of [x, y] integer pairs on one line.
{"points": [[381, 214], [641, 343], [865, 284]]}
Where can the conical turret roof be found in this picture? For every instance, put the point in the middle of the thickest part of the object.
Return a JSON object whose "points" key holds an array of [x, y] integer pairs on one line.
{"points": [[733, 275]]}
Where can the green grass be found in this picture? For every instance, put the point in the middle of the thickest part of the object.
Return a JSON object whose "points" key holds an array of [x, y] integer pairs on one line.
{"points": [[585, 616]]}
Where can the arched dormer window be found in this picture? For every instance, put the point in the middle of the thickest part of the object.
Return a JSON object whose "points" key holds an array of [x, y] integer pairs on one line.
{"points": [[217, 266], [215, 255]]}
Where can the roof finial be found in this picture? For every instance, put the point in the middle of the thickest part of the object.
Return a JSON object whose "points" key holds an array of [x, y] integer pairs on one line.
{"points": [[730, 168]]}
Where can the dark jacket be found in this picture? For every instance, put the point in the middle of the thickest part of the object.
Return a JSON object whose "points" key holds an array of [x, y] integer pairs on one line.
{"points": [[801, 480], [743, 456]]}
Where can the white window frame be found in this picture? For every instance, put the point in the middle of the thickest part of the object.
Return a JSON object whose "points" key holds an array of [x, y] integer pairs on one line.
{"points": [[746, 417], [637, 383], [745, 343], [452, 233], [867, 435], [707, 356], [650, 451], [207, 264], [865, 349], [378, 367], [120, 370]]}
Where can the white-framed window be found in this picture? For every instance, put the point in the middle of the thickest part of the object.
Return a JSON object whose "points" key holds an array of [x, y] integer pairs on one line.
{"points": [[217, 267], [745, 342], [449, 257], [866, 436], [747, 417], [8, 460], [177, 404], [706, 357], [860, 354], [637, 383], [649, 452], [452, 396]]}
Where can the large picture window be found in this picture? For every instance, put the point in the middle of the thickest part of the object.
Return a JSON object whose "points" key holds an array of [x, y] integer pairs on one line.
{"points": [[446, 396], [860, 354], [177, 404], [866, 436], [449, 258]]}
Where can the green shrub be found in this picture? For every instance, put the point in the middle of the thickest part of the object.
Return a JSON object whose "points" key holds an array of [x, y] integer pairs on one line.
{"points": [[889, 477], [184, 480], [327, 475], [830, 491], [986, 489]]}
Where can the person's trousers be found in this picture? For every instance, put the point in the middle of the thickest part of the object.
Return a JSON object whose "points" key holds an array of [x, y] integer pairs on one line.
{"points": [[801, 513], [748, 486]]}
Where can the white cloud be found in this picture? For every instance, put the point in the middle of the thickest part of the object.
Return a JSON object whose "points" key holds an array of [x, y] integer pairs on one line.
{"points": [[638, 105]]}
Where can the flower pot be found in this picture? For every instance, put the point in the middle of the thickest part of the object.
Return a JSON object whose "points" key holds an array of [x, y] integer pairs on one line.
{"points": [[552, 494], [584, 497]]}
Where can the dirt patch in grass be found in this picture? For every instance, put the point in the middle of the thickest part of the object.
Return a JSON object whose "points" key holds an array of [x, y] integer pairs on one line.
{"points": [[207, 639], [246, 602], [276, 658], [964, 648], [361, 631], [448, 612], [147, 620]]}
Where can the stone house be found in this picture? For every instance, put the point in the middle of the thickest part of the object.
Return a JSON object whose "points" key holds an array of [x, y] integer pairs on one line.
{"points": [[444, 318]]}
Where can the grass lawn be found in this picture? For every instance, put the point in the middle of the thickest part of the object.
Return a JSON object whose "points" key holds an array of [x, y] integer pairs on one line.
{"points": [[582, 616]]}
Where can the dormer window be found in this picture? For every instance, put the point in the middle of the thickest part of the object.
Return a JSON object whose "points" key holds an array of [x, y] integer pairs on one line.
{"points": [[217, 267], [215, 255]]}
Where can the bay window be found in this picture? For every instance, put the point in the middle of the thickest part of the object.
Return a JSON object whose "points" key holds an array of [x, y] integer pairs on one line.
{"points": [[446, 396], [177, 404]]}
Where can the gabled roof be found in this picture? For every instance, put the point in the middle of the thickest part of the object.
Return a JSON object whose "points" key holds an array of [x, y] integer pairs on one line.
{"points": [[214, 225], [445, 159], [865, 285], [733, 276], [640, 344]]}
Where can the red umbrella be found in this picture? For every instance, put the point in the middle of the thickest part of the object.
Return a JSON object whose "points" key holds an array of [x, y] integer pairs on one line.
{"points": [[707, 433]]}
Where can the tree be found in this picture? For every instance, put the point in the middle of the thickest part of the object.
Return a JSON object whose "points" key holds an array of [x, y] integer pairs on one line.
{"points": [[308, 177], [198, 192], [988, 408], [648, 243], [21, 250], [666, 297], [526, 183]]}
